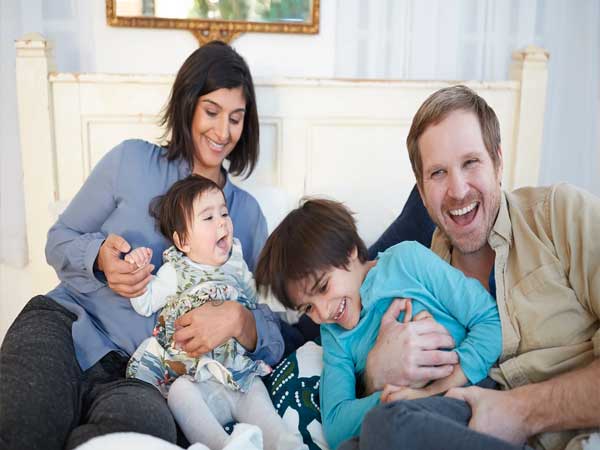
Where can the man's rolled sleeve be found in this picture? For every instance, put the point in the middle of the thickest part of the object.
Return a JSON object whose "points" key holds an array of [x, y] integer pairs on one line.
{"points": [[596, 344]]}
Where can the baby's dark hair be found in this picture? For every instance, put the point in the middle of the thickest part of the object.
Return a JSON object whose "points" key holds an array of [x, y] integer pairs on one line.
{"points": [[317, 236], [174, 210]]}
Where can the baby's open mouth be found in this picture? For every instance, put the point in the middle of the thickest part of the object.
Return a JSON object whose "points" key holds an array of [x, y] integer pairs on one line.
{"points": [[222, 243]]}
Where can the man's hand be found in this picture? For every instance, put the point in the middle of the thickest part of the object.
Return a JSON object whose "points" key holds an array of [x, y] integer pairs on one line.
{"points": [[408, 353], [498, 413], [122, 277]]}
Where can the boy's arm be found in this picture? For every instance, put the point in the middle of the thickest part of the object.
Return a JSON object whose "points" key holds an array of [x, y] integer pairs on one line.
{"points": [[471, 305], [475, 309], [163, 285], [393, 393], [342, 413]]}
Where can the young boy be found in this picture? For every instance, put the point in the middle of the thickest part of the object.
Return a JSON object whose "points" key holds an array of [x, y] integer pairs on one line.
{"points": [[316, 263]]}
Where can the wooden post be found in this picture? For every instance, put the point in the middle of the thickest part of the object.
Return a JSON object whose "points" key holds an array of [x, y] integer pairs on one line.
{"points": [[530, 68], [34, 99]]}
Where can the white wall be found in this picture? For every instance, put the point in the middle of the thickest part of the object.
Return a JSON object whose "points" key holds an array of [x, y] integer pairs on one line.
{"points": [[12, 215], [143, 50]]}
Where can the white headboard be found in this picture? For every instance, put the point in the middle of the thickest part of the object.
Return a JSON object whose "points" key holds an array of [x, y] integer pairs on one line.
{"points": [[340, 138]]}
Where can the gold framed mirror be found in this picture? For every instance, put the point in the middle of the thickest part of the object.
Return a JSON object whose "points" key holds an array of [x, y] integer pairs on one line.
{"points": [[217, 19]]}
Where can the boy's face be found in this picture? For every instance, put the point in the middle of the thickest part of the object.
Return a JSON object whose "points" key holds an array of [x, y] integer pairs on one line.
{"points": [[333, 296], [210, 233]]}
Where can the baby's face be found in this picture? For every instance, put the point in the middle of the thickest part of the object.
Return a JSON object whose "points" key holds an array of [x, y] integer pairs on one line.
{"points": [[210, 236], [333, 296]]}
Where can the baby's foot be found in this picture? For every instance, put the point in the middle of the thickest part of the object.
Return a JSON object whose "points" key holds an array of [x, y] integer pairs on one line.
{"points": [[245, 437]]}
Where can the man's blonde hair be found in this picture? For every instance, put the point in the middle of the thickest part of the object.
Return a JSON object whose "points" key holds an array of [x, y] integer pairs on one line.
{"points": [[437, 107]]}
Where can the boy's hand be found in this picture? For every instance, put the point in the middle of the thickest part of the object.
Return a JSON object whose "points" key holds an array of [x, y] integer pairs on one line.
{"points": [[139, 257], [392, 393]]}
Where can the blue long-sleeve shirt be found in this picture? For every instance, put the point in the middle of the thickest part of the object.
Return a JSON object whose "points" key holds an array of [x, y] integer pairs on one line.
{"points": [[406, 270], [115, 199]]}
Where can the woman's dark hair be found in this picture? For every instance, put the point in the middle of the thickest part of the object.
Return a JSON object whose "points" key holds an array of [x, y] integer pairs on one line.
{"points": [[213, 66], [174, 210], [316, 237]]}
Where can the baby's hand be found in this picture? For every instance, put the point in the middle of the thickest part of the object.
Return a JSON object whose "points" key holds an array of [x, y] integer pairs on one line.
{"points": [[392, 393], [139, 257]]}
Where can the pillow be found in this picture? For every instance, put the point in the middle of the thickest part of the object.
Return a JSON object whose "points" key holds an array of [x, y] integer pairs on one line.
{"points": [[413, 224], [274, 202], [294, 389], [132, 441]]}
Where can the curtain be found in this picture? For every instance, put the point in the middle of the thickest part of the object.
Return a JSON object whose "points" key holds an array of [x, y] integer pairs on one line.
{"points": [[68, 23], [473, 40]]}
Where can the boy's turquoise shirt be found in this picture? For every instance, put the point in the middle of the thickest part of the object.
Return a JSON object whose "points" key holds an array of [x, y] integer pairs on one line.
{"points": [[406, 270]]}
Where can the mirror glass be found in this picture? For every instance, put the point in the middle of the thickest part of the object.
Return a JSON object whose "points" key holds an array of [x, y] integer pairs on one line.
{"points": [[267, 11], [217, 19]]}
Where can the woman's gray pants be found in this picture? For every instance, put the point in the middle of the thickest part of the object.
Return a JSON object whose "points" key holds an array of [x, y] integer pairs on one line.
{"points": [[48, 402]]}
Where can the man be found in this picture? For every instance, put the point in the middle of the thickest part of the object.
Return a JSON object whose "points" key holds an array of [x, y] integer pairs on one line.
{"points": [[536, 250]]}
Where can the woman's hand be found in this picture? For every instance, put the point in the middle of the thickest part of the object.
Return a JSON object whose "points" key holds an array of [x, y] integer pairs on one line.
{"points": [[122, 277], [202, 329], [139, 256], [408, 353]]}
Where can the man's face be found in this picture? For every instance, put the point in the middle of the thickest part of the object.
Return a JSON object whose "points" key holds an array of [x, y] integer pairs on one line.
{"points": [[461, 187]]}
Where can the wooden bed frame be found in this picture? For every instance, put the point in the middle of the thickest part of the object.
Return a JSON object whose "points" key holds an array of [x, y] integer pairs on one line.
{"points": [[340, 138]]}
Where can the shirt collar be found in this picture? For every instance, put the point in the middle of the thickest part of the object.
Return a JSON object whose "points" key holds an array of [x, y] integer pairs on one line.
{"points": [[502, 229]]}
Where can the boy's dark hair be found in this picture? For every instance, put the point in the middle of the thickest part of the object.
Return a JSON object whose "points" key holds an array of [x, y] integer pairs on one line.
{"points": [[315, 237], [174, 210], [213, 66]]}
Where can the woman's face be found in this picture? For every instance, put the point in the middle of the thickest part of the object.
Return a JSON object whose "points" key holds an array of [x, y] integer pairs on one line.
{"points": [[216, 129]]}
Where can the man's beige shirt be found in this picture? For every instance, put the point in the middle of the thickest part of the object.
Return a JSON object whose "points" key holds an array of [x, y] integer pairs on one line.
{"points": [[547, 270]]}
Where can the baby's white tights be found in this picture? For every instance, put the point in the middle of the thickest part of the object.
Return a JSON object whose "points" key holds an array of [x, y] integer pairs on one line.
{"points": [[202, 408]]}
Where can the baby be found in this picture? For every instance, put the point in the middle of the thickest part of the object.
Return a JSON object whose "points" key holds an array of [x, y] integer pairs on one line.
{"points": [[204, 266], [316, 263]]}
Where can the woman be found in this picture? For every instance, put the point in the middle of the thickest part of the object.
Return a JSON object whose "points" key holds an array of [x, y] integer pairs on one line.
{"points": [[62, 362]]}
